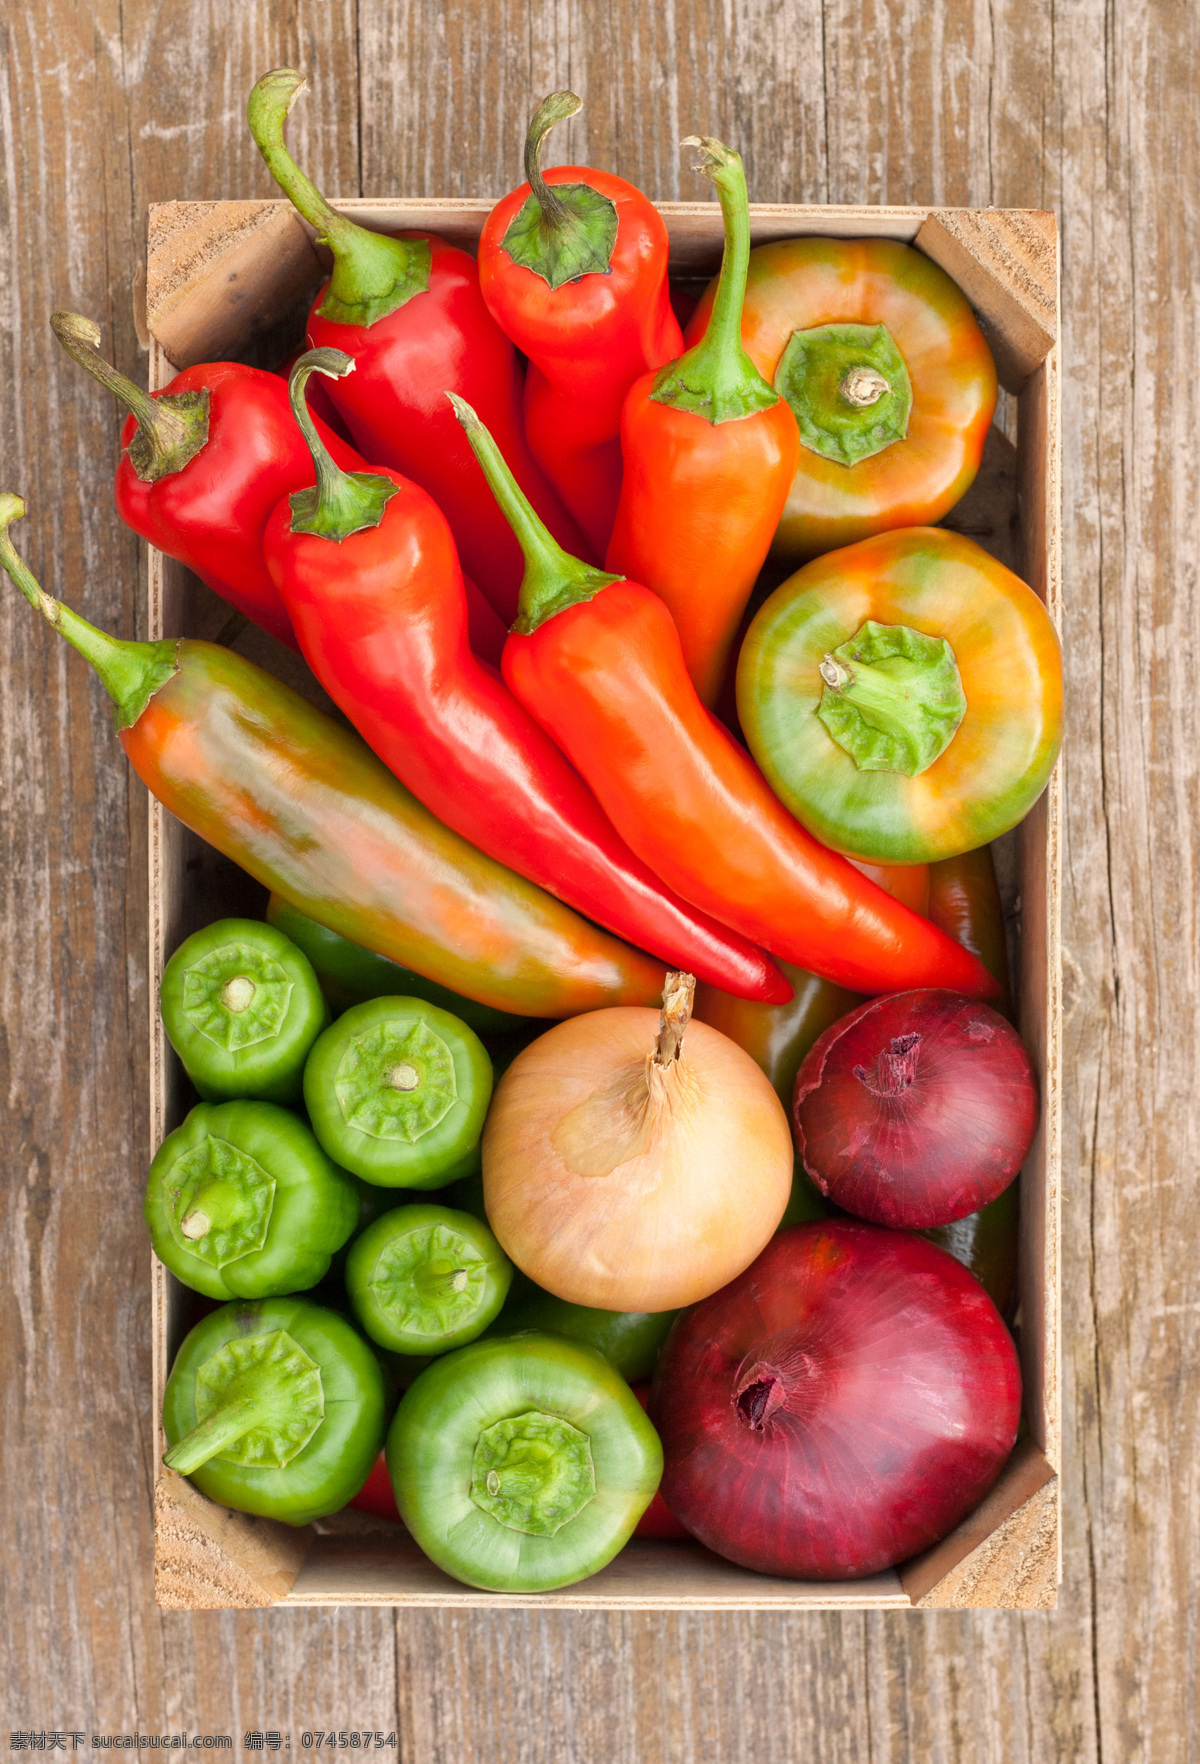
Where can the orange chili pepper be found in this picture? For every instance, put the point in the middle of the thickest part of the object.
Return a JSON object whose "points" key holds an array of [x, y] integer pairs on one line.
{"points": [[710, 451]]}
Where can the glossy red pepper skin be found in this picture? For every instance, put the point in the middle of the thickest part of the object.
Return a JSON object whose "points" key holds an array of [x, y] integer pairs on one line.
{"points": [[381, 620], [210, 514], [699, 506], [395, 407], [587, 342], [607, 678]]}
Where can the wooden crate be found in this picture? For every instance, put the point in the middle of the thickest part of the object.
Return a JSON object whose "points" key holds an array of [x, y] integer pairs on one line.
{"points": [[233, 279]]}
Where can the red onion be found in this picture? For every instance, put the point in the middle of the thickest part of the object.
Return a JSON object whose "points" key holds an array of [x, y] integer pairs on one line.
{"points": [[838, 1407], [915, 1110]]}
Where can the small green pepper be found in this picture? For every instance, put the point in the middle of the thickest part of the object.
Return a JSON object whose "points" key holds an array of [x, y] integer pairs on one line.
{"points": [[243, 1203], [397, 1090], [629, 1340], [424, 1279], [351, 975], [241, 1006], [277, 1408], [522, 1464]]}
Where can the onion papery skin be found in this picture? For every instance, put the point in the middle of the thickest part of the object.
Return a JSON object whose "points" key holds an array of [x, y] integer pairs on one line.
{"points": [[916, 1109], [892, 1397], [604, 1210]]}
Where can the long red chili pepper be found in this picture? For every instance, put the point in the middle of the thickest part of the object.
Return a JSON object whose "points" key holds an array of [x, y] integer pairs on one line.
{"points": [[302, 804], [409, 311], [710, 453], [366, 567], [574, 266], [598, 662], [203, 464], [485, 628]]}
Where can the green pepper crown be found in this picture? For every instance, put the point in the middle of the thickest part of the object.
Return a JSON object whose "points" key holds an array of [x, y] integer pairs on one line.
{"points": [[716, 379], [130, 672], [259, 1400], [236, 996], [429, 1280], [339, 503], [553, 579], [562, 231], [396, 1081], [372, 274], [533, 1472], [892, 698], [218, 1202], [171, 429], [848, 389]]}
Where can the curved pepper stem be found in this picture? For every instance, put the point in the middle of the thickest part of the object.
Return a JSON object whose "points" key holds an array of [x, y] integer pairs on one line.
{"points": [[171, 430], [223, 1428], [130, 672], [716, 378], [561, 231], [553, 579], [372, 274], [340, 503]]}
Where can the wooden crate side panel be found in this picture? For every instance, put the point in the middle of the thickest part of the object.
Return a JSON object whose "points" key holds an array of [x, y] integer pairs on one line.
{"points": [[1039, 490], [996, 1540], [207, 1558], [212, 281], [389, 1569], [1006, 263]]}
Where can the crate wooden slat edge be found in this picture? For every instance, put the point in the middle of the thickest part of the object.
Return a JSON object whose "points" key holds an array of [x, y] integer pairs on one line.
{"points": [[203, 299]]}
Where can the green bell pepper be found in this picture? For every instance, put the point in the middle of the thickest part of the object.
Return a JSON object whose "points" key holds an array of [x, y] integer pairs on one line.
{"points": [[243, 1203], [242, 1006], [277, 1408], [424, 1279], [397, 1090], [522, 1464], [350, 974]]}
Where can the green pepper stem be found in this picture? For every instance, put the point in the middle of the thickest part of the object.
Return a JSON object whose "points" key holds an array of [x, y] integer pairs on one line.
{"points": [[341, 503], [131, 673], [171, 430], [554, 109], [553, 579], [372, 274], [716, 378], [226, 1424], [886, 701]]}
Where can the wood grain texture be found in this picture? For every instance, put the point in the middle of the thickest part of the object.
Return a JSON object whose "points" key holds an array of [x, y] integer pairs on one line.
{"points": [[1087, 110]]}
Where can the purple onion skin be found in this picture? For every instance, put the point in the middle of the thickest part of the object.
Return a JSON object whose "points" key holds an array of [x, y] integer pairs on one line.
{"points": [[916, 1109], [838, 1407]]}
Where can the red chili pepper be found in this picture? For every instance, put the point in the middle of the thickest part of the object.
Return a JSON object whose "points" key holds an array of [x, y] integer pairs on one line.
{"points": [[710, 453], [366, 567], [203, 464], [574, 267], [485, 628], [304, 806], [598, 662], [408, 309]]}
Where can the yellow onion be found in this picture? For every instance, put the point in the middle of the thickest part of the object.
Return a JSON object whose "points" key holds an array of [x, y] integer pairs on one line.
{"points": [[629, 1172]]}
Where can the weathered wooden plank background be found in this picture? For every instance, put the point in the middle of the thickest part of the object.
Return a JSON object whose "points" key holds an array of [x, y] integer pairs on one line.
{"points": [[1089, 109]]}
